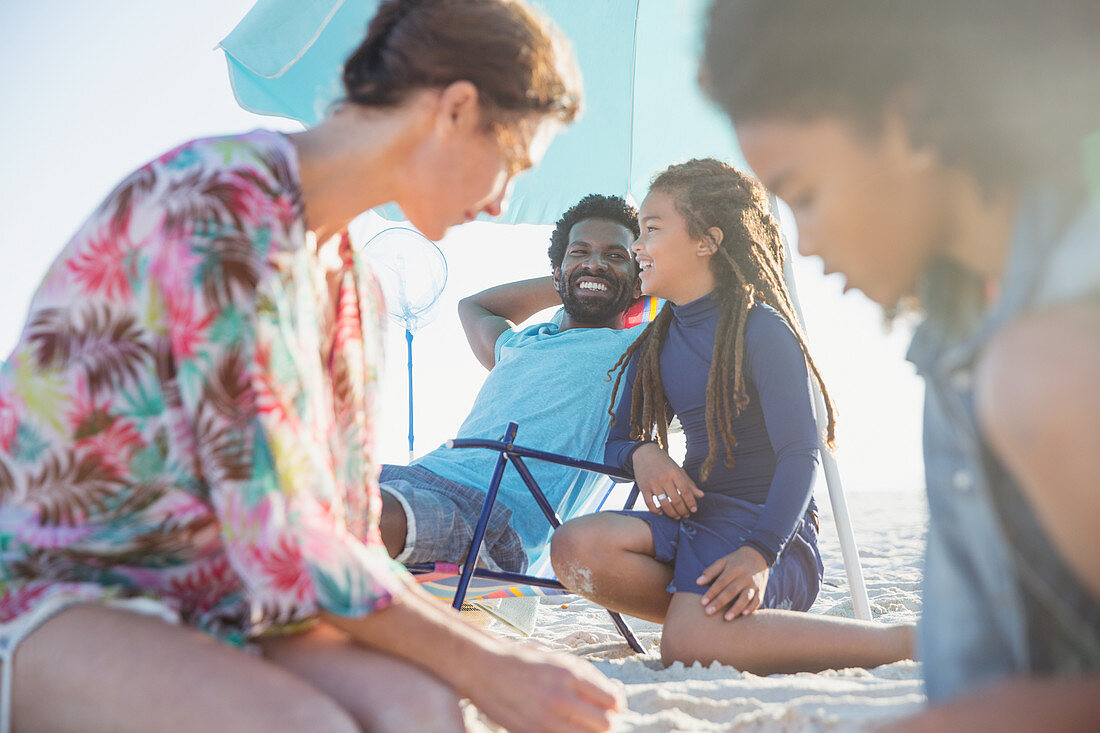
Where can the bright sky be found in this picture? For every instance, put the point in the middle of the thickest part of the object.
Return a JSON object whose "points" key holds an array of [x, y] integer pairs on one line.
{"points": [[92, 90]]}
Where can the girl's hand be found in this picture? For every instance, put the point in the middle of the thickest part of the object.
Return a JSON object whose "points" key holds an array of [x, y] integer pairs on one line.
{"points": [[738, 578], [666, 487]]}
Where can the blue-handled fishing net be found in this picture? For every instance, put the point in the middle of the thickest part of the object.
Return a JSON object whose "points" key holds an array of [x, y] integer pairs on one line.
{"points": [[412, 272]]}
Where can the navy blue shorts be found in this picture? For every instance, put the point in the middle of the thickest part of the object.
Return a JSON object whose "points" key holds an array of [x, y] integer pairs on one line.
{"points": [[720, 526]]}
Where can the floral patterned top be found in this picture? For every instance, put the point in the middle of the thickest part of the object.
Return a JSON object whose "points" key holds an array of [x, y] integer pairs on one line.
{"points": [[189, 412]]}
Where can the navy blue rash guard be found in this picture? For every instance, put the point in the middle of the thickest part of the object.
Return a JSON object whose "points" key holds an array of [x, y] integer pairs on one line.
{"points": [[776, 456]]}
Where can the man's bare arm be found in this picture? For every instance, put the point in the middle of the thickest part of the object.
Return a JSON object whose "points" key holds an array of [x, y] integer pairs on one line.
{"points": [[491, 312]]}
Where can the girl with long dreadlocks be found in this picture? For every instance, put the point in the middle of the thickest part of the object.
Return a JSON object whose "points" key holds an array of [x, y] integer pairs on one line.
{"points": [[735, 529]]}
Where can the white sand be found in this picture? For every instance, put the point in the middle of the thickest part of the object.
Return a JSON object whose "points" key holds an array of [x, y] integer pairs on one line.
{"points": [[889, 529]]}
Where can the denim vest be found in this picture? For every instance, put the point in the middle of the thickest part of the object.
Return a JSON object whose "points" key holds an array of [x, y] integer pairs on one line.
{"points": [[998, 600]]}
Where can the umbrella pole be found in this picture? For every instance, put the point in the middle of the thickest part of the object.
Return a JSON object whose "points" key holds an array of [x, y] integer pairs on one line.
{"points": [[409, 341], [857, 586]]}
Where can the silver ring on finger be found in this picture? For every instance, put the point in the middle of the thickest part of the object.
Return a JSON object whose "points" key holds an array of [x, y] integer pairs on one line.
{"points": [[660, 497]]}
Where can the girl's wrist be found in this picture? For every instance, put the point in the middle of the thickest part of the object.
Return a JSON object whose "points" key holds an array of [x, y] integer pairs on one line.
{"points": [[757, 552], [630, 454]]}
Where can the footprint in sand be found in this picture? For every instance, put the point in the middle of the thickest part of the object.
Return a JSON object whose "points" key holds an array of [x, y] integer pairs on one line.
{"points": [[578, 638]]}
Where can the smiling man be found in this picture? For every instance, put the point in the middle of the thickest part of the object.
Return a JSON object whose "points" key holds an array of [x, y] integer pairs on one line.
{"points": [[551, 378]]}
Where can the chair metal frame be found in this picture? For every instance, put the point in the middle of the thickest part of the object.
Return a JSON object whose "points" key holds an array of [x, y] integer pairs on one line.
{"points": [[515, 454]]}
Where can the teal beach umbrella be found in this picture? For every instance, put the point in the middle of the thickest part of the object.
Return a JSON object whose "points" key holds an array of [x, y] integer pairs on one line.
{"points": [[639, 59], [643, 111]]}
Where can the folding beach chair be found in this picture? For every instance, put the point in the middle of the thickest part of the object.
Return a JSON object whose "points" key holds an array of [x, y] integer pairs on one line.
{"points": [[459, 583]]}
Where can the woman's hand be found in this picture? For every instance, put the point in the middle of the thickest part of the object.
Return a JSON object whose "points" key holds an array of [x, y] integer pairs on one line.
{"points": [[739, 579], [666, 487], [531, 690], [522, 688]]}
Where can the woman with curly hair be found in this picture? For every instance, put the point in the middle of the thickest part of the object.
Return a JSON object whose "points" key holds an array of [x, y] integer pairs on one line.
{"points": [[945, 157]]}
